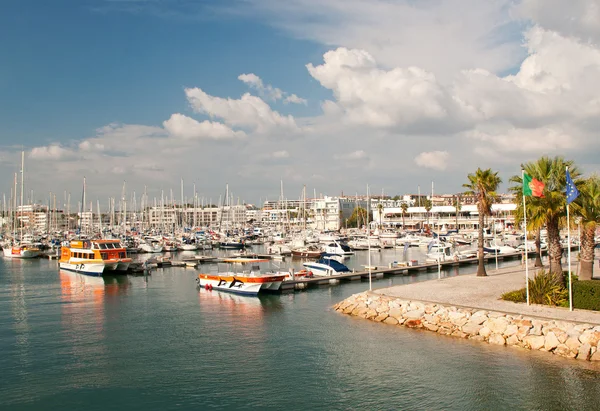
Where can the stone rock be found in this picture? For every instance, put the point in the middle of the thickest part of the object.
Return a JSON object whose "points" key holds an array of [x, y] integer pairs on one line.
{"points": [[370, 314], [455, 315], [590, 337], [381, 317], [573, 344], [390, 320], [595, 356], [584, 352], [471, 328], [414, 314], [512, 340], [401, 321], [522, 323], [360, 311], [497, 325], [478, 319], [497, 339], [459, 334], [460, 321], [396, 313], [564, 351], [535, 342], [383, 308], [485, 332], [480, 313], [430, 309], [447, 324], [512, 329], [432, 319], [444, 331], [477, 338], [551, 342], [523, 332], [413, 323], [431, 327], [349, 309]]}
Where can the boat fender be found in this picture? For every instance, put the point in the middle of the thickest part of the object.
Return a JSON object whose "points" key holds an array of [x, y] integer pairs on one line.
{"points": [[207, 287]]}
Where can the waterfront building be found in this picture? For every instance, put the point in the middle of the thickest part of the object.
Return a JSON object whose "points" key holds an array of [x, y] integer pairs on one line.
{"points": [[329, 213]]}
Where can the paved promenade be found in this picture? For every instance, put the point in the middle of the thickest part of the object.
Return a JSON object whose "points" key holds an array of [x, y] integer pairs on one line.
{"points": [[484, 293]]}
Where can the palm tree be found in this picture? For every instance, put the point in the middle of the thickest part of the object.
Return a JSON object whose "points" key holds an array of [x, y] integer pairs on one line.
{"points": [[380, 212], [589, 201], [482, 185], [404, 208], [550, 210], [457, 208], [427, 205], [535, 222]]}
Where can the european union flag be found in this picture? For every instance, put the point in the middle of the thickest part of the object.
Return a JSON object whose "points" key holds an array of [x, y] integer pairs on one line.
{"points": [[572, 192]]}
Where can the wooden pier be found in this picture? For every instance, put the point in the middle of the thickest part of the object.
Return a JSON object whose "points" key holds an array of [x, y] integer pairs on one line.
{"points": [[303, 283]]}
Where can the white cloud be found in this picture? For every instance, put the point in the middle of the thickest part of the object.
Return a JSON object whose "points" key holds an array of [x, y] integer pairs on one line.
{"points": [[51, 152], [437, 160], [354, 155], [409, 99], [280, 154], [292, 98], [268, 91], [442, 36], [579, 18], [187, 128], [249, 111]]}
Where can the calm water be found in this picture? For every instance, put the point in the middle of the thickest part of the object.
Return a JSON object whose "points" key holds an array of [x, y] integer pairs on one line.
{"points": [[157, 343]]}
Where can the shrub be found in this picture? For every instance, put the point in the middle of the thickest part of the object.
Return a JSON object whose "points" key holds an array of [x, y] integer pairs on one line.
{"points": [[586, 295], [544, 288], [517, 296]]}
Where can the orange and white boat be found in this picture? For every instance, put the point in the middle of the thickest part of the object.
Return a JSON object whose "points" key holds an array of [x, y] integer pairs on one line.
{"points": [[113, 254], [79, 257], [249, 283]]}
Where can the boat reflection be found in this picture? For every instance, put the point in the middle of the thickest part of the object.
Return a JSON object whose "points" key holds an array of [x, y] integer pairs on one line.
{"points": [[257, 306]]}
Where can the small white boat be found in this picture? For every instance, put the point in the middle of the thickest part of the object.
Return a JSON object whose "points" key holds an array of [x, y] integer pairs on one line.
{"points": [[337, 248], [326, 267]]}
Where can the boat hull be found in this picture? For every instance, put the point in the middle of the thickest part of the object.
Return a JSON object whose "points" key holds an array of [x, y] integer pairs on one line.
{"points": [[17, 252], [93, 269], [240, 284]]}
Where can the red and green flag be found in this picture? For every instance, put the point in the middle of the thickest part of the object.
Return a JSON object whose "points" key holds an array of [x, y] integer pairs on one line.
{"points": [[532, 187]]}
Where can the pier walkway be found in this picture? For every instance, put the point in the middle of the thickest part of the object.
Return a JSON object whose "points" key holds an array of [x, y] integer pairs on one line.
{"points": [[470, 291]]}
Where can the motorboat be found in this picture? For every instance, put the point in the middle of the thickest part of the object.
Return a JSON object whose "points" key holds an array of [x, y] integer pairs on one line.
{"points": [[338, 248], [326, 267], [249, 283], [80, 257]]}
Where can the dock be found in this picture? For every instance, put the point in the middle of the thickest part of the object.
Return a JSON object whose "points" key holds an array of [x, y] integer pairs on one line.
{"points": [[304, 282]]}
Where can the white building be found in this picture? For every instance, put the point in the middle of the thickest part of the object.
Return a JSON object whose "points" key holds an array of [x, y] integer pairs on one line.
{"points": [[328, 213]]}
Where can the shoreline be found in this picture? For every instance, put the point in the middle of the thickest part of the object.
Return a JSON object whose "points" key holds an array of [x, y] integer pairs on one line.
{"points": [[469, 307]]}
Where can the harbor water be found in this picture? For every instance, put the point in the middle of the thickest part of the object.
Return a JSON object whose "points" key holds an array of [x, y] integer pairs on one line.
{"points": [[156, 342]]}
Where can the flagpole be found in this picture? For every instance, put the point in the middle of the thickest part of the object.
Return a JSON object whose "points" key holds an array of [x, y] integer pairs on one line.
{"points": [[569, 253], [526, 246]]}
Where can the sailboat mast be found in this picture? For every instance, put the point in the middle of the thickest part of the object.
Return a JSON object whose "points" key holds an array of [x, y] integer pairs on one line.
{"points": [[22, 181]]}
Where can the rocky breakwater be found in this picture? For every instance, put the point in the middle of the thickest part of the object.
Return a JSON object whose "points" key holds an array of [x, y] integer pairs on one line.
{"points": [[571, 340]]}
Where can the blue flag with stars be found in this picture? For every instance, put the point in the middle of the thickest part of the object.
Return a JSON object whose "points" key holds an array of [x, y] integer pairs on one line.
{"points": [[572, 192]]}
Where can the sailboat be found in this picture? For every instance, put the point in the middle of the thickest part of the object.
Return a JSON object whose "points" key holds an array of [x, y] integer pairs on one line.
{"points": [[19, 248]]}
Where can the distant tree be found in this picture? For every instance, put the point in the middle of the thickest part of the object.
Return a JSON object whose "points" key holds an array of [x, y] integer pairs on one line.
{"points": [[428, 205], [404, 208], [358, 217], [589, 201]]}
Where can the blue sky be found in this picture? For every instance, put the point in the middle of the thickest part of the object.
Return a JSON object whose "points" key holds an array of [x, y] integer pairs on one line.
{"points": [[332, 95], [73, 66]]}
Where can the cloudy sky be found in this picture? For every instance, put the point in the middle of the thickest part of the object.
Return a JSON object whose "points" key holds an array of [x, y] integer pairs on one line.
{"points": [[332, 94]]}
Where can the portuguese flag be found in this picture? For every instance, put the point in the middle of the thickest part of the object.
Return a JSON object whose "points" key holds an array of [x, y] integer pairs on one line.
{"points": [[532, 187]]}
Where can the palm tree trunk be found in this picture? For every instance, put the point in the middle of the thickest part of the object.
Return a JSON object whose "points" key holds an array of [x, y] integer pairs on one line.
{"points": [[555, 249], [586, 257], [538, 249], [403, 224], [480, 266]]}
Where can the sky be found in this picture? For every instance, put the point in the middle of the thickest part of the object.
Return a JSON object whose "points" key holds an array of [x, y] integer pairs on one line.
{"points": [[333, 96]]}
